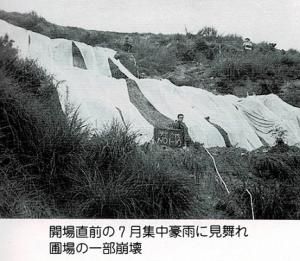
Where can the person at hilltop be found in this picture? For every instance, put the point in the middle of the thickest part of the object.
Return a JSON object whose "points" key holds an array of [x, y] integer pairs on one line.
{"points": [[179, 124], [247, 45], [128, 43]]}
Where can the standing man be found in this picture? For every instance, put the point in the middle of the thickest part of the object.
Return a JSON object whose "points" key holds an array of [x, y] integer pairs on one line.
{"points": [[179, 124], [128, 43]]}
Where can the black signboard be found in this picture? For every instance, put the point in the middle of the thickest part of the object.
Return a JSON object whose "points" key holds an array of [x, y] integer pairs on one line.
{"points": [[169, 137]]}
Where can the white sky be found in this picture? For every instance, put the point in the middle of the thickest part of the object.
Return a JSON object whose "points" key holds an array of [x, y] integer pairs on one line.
{"points": [[260, 20]]}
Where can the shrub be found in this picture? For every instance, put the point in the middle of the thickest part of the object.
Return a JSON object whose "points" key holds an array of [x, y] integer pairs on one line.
{"points": [[185, 51], [238, 66], [208, 32], [201, 45], [290, 92], [273, 166], [223, 87], [271, 200]]}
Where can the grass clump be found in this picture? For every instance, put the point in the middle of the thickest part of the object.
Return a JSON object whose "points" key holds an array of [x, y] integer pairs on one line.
{"points": [[125, 182]]}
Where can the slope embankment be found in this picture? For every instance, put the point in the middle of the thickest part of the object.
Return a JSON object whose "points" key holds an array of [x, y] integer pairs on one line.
{"points": [[93, 80]]}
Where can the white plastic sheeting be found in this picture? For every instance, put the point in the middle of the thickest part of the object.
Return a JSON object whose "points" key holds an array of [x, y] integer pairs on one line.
{"points": [[100, 97], [269, 116], [19, 35], [169, 100], [96, 58], [196, 105]]}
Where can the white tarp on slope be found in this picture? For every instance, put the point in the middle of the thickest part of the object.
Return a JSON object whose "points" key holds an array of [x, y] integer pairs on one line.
{"points": [[18, 34], [287, 113], [246, 120], [100, 98], [223, 112], [268, 114], [96, 58], [196, 104], [167, 98], [99, 95]]}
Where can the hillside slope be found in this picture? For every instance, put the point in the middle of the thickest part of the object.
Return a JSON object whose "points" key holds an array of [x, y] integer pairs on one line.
{"points": [[53, 166], [206, 60], [88, 82]]}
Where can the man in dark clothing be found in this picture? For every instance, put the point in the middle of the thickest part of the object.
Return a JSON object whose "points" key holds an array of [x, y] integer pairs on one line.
{"points": [[128, 43], [179, 124], [247, 45]]}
